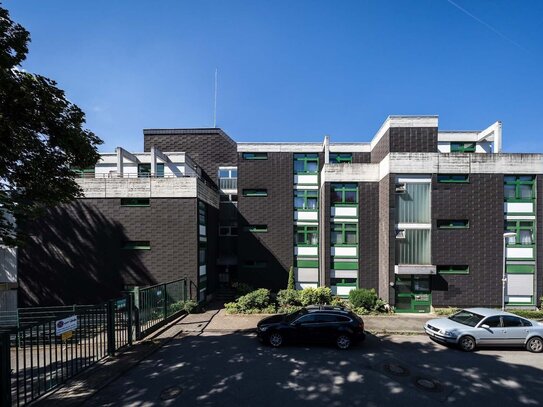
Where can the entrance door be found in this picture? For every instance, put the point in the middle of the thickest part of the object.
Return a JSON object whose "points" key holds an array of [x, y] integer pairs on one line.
{"points": [[413, 293]]}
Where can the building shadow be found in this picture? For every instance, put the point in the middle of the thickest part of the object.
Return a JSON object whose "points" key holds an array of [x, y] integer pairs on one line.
{"points": [[74, 255]]}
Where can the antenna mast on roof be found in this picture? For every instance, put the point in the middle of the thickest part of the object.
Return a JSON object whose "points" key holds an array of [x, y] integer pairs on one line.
{"points": [[215, 102]]}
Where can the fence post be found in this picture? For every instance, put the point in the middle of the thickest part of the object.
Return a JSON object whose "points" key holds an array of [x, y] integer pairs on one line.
{"points": [[165, 296], [5, 370], [129, 310], [185, 289], [110, 328]]}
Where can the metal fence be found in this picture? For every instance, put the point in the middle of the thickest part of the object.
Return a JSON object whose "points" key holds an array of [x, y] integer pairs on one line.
{"points": [[157, 304], [34, 360]]}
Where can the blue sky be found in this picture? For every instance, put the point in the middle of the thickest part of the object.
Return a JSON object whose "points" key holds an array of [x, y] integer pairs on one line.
{"points": [[292, 70]]}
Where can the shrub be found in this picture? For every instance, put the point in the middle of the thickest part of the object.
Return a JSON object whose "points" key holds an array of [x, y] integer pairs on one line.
{"points": [[192, 307], [253, 302], [291, 285], [446, 311], [320, 295], [286, 298], [242, 289], [363, 298]]}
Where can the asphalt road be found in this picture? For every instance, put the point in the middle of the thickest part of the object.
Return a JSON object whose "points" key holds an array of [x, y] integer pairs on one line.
{"points": [[236, 370]]}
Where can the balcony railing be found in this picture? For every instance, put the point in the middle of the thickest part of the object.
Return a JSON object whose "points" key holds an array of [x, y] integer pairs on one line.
{"points": [[228, 183]]}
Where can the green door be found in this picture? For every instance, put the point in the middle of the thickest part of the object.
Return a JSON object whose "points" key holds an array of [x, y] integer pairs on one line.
{"points": [[413, 293]]}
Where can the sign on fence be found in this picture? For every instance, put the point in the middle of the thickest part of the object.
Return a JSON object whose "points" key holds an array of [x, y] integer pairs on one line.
{"points": [[66, 325]]}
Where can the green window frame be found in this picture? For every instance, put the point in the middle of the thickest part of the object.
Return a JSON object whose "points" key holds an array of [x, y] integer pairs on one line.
{"points": [[519, 188], [306, 163], [340, 158], [255, 192], [306, 235], [345, 282], [461, 147], [450, 269], [344, 194], [520, 268], [254, 156], [525, 233], [345, 265], [303, 263], [137, 245], [256, 228], [306, 199], [452, 224], [453, 178], [344, 234], [144, 170], [135, 202]]}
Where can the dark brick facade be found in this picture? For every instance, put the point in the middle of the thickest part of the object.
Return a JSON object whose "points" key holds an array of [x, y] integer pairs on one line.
{"points": [[209, 148], [276, 247], [479, 247], [539, 242], [368, 198], [325, 214], [413, 139], [75, 255], [361, 157]]}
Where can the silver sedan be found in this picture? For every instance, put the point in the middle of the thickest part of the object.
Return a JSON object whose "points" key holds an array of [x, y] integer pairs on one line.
{"points": [[474, 327]]}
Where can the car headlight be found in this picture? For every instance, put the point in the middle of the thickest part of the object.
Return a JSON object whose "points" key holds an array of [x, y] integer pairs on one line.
{"points": [[447, 333], [263, 328]]}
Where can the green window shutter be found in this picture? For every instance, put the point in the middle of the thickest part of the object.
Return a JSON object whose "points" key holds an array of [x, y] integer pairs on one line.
{"points": [[307, 263], [520, 268], [344, 265]]}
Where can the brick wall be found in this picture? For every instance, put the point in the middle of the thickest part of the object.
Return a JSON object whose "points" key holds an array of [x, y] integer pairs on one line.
{"points": [[368, 198], [75, 255], [479, 247], [413, 139], [276, 246]]}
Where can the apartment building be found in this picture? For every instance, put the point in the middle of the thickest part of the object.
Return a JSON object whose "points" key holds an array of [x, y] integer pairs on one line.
{"points": [[417, 213]]}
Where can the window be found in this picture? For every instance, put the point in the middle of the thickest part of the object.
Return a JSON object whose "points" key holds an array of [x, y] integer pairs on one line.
{"points": [[255, 156], [415, 248], [493, 322], [519, 188], [229, 198], [201, 213], [137, 245], [255, 192], [84, 173], [339, 158], [228, 177], [453, 269], [511, 322], [202, 256], [306, 235], [462, 147], [343, 194], [453, 178], [256, 228], [135, 202], [524, 230], [306, 163], [344, 233], [414, 204], [228, 230], [306, 199], [452, 224], [350, 282], [255, 264], [144, 170], [307, 319]]}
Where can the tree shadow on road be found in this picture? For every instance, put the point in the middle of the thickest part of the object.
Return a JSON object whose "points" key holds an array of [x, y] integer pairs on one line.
{"points": [[236, 370]]}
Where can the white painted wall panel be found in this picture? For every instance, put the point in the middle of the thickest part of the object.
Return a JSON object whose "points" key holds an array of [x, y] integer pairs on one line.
{"points": [[518, 299], [519, 207], [344, 211], [306, 215], [341, 290], [306, 251], [520, 284], [343, 273], [520, 252], [344, 251], [306, 179], [306, 274], [301, 286], [444, 147]]}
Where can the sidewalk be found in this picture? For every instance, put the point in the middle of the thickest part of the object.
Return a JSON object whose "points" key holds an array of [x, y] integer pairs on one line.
{"points": [[395, 323], [214, 320]]}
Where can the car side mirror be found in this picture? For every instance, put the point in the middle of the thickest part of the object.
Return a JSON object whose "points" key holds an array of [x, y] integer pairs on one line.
{"points": [[485, 326]]}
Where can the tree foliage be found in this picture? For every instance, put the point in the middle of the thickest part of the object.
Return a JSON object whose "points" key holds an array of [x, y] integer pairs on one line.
{"points": [[41, 137]]}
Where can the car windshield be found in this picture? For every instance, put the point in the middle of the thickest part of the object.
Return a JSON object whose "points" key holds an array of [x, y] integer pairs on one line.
{"points": [[291, 317], [466, 318]]}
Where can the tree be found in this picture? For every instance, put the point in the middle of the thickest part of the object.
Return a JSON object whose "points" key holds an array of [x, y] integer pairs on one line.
{"points": [[41, 137], [291, 283]]}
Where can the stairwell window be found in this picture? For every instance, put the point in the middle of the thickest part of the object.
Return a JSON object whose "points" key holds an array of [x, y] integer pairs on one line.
{"points": [[340, 158], [255, 156]]}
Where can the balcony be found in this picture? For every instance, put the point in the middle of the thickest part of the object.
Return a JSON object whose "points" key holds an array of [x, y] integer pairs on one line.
{"points": [[228, 184]]}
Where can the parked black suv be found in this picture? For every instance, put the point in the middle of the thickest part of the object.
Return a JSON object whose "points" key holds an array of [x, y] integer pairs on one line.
{"points": [[325, 324]]}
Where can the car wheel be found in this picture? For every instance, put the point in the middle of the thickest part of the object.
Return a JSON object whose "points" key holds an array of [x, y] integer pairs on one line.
{"points": [[276, 339], [467, 343], [343, 341], [535, 344]]}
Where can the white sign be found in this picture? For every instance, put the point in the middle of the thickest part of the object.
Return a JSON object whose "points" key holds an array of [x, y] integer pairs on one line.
{"points": [[66, 325]]}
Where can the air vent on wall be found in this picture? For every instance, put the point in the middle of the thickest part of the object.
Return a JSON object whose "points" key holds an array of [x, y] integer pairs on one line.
{"points": [[400, 234]]}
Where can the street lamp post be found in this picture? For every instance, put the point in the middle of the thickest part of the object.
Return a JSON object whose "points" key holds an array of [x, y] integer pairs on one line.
{"points": [[506, 236]]}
